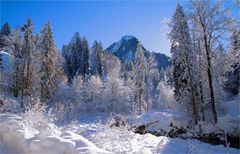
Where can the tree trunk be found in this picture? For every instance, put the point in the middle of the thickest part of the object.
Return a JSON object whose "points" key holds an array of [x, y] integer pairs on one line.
{"points": [[194, 108], [202, 101], [212, 98]]}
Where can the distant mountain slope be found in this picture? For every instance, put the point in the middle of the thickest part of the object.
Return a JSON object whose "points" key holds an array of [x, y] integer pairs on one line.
{"points": [[125, 50]]}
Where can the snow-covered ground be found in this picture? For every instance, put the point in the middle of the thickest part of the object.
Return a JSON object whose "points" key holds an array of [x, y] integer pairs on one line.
{"points": [[89, 135]]}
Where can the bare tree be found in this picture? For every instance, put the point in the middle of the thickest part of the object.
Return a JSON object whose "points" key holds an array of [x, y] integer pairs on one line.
{"points": [[213, 21]]}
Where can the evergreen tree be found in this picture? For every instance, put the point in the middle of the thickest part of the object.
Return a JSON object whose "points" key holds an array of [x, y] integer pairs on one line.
{"points": [[100, 59], [27, 52], [181, 59], [73, 55], [48, 72], [76, 55], [232, 82], [85, 58], [96, 59], [18, 63], [5, 39], [5, 29], [140, 69]]}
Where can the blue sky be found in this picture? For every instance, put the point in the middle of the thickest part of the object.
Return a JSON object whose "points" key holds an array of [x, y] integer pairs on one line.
{"points": [[105, 21]]}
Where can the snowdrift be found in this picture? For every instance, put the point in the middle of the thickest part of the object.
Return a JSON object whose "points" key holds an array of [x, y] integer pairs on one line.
{"points": [[17, 137], [85, 138]]}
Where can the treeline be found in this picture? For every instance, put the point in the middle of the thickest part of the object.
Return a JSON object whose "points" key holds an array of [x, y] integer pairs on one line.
{"points": [[80, 78], [35, 61], [205, 65]]}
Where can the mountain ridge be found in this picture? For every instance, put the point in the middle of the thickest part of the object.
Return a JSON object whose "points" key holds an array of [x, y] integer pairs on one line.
{"points": [[125, 50]]}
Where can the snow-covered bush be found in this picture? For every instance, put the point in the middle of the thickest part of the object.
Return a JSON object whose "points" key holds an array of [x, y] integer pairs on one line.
{"points": [[36, 114], [165, 97]]}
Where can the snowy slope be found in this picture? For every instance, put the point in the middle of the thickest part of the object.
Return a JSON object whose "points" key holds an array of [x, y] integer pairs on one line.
{"points": [[18, 137], [5, 62]]}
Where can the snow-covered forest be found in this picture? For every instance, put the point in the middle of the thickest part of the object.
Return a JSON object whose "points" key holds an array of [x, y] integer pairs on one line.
{"points": [[124, 99]]}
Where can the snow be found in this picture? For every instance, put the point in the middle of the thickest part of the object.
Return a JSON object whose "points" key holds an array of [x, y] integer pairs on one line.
{"points": [[127, 37], [89, 136], [160, 119], [17, 137], [6, 61], [118, 44]]}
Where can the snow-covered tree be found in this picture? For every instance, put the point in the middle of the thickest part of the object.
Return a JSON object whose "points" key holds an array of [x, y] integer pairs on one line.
{"points": [[165, 98], [116, 93], [212, 22], [140, 70], [76, 55], [49, 68], [6, 30], [94, 89], [4, 36], [181, 50], [220, 66], [85, 57], [28, 49], [18, 76], [96, 59], [232, 82]]}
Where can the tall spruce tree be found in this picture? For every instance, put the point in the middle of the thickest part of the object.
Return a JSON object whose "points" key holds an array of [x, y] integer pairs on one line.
{"points": [[181, 59], [100, 59], [96, 59], [85, 58], [5, 29], [18, 62], [27, 52], [48, 71], [140, 70], [232, 82], [4, 36]]}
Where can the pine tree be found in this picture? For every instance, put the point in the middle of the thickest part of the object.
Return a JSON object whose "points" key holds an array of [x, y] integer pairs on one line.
{"points": [[5, 29], [18, 63], [100, 60], [140, 69], [181, 59], [96, 59], [73, 55], [5, 40], [232, 82], [85, 58], [27, 53], [48, 72], [76, 55]]}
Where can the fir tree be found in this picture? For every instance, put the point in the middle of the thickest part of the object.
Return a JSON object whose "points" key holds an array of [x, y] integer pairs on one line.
{"points": [[27, 53], [232, 82], [48, 72], [85, 58], [5, 29], [140, 69], [100, 59], [5, 40], [96, 59], [18, 63], [181, 59]]}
